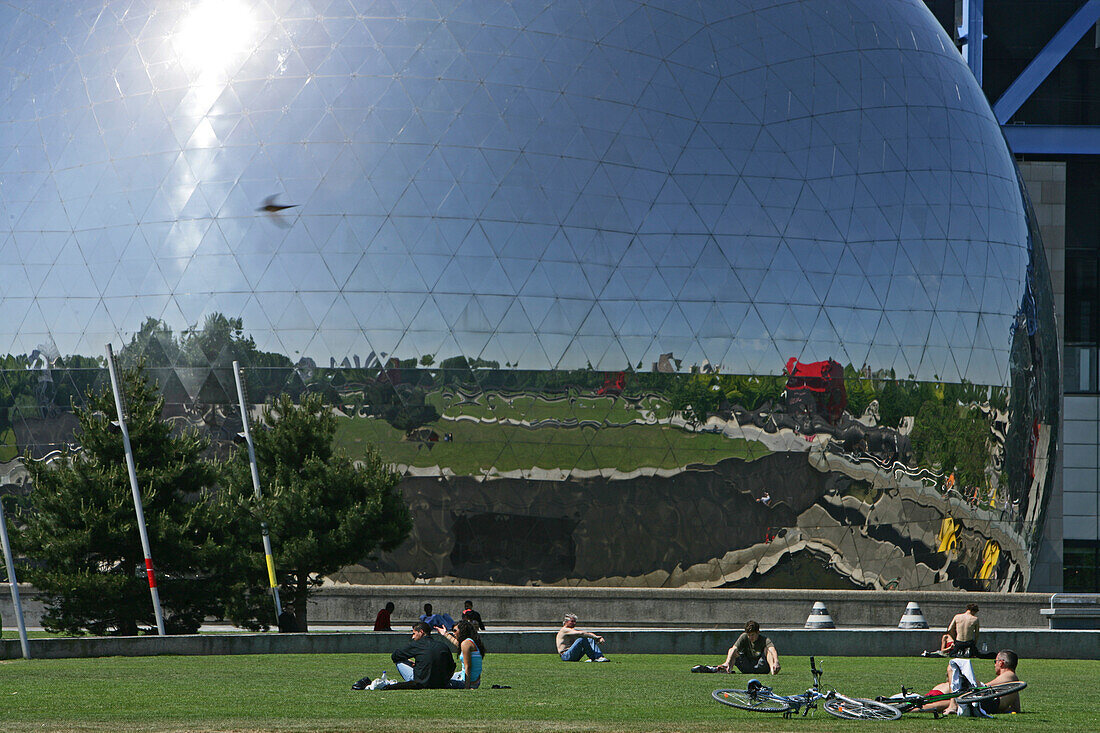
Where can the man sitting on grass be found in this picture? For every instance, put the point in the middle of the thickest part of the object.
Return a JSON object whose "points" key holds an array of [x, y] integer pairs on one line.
{"points": [[426, 663], [1004, 665], [752, 653], [573, 643]]}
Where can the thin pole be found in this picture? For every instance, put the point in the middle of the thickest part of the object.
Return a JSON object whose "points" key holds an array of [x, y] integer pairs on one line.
{"points": [[14, 584], [256, 490], [134, 490]]}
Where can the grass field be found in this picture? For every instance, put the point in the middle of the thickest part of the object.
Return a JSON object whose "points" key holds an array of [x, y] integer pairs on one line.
{"points": [[632, 693], [477, 447]]}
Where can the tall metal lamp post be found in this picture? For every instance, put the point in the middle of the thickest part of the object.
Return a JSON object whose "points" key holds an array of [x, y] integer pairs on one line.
{"points": [[256, 490], [14, 583], [134, 489]]}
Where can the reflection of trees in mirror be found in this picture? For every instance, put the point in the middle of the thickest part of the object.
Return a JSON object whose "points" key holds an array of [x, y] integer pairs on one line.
{"points": [[954, 438], [407, 396], [447, 418], [217, 343]]}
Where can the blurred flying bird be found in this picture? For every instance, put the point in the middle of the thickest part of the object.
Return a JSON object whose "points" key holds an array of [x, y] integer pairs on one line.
{"points": [[274, 210], [271, 207]]}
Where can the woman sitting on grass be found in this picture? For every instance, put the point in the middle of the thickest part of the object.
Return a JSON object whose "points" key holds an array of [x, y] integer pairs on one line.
{"points": [[470, 649]]}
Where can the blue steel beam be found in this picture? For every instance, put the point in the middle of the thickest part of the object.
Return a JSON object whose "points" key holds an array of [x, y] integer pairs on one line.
{"points": [[1051, 55], [973, 17], [1052, 139]]}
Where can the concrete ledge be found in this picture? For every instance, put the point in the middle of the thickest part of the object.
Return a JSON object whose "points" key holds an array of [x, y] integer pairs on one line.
{"points": [[692, 608], [1070, 618], [1028, 643], [600, 607]]}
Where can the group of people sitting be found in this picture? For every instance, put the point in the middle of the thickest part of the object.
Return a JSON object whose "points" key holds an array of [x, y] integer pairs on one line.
{"points": [[427, 663], [961, 637], [960, 675], [382, 620], [754, 653]]}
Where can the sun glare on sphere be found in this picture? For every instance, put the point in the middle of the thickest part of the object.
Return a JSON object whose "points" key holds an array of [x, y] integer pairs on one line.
{"points": [[214, 35]]}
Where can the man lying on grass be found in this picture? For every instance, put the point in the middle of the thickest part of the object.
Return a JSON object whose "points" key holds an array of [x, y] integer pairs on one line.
{"points": [[1004, 668]]}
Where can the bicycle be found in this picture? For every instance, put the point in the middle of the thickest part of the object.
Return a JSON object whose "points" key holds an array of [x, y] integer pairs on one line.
{"points": [[908, 700], [760, 698]]}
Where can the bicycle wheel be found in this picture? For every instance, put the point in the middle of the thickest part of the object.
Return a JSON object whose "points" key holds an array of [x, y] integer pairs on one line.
{"points": [[854, 708], [745, 701], [988, 692]]}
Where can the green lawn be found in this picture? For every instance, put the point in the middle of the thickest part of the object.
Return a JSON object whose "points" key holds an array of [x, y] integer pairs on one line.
{"points": [[479, 447], [632, 693], [8, 447]]}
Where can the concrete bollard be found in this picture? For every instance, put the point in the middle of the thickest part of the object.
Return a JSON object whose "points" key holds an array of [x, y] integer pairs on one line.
{"points": [[819, 618], [912, 618]]}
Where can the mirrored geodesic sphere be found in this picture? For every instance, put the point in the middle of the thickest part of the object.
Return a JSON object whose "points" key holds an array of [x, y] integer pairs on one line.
{"points": [[673, 293]]}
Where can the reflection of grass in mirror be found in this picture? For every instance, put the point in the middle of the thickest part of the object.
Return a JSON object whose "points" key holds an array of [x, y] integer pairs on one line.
{"points": [[863, 491], [533, 407], [8, 449], [476, 448]]}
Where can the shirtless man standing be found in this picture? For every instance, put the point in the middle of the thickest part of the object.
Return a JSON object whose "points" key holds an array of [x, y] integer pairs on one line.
{"points": [[573, 643]]}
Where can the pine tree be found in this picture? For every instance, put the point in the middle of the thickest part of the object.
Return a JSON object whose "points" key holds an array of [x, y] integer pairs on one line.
{"points": [[81, 533], [324, 511]]}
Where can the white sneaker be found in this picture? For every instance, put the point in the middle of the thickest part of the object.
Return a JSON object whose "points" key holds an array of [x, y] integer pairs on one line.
{"points": [[601, 659]]}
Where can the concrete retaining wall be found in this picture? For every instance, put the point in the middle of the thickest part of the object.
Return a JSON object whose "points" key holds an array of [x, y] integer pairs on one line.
{"points": [[709, 644], [643, 607], [671, 607]]}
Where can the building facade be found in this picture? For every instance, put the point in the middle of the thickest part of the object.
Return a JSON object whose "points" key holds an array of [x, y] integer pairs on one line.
{"points": [[648, 294], [1039, 64]]}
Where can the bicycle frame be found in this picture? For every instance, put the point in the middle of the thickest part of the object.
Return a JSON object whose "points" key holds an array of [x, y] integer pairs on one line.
{"points": [[760, 698], [909, 700], [803, 702]]}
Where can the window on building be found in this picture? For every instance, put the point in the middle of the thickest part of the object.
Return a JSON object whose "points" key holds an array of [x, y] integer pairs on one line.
{"points": [[1082, 327], [1080, 561], [1081, 360]]}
